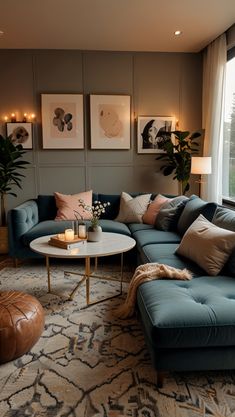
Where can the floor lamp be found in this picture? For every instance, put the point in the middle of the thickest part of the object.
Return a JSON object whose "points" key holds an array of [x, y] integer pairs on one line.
{"points": [[200, 165]]}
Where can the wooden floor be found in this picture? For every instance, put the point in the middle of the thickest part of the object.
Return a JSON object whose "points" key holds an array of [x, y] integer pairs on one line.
{"points": [[5, 261]]}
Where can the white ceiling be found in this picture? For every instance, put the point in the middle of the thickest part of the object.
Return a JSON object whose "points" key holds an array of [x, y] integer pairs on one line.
{"points": [[117, 25]]}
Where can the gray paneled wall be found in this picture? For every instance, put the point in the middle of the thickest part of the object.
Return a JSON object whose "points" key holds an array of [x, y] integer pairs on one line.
{"points": [[163, 84]]}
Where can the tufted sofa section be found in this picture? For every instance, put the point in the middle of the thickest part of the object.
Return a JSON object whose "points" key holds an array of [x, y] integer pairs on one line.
{"points": [[187, 325]]}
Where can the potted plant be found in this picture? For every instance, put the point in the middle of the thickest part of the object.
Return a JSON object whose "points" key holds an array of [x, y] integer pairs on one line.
{"points": [[177, 156], [10, 165], [98, 208]]}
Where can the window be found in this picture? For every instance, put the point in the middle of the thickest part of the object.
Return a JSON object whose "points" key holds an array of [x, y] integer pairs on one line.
{"points": [[229, 131]]}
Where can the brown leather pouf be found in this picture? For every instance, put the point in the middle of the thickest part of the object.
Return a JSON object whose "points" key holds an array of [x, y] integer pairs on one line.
{"points": [[21, 324]]}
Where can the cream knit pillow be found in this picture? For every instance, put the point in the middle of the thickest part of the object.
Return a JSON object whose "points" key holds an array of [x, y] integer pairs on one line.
{"points": [[131, 209]]}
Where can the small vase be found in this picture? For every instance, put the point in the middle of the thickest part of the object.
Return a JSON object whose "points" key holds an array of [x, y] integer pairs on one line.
{"points": [[94, 233]]}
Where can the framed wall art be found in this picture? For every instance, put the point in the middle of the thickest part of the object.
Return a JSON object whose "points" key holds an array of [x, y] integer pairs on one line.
{"points": [[20, 133], [110, 121], [62, 121], [150, 132]]}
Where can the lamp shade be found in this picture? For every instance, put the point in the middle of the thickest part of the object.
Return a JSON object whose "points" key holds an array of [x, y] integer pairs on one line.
{"points": [[201, 165]]}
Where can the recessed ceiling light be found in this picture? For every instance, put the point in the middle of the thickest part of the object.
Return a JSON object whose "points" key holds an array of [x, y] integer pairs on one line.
{"points": [[178, 32], [1, 33]]}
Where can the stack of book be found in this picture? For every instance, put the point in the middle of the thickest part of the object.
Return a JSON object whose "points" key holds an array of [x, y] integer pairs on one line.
{"points": [[64, 244]]}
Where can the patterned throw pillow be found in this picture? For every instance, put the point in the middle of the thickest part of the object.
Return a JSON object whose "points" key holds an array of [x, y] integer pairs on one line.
{"points": [[207, 244], [153, 209], [67, 203], [131, 209]]}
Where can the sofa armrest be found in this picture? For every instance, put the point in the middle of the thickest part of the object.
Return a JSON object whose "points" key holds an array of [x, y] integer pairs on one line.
{"points": [[21, 219]]}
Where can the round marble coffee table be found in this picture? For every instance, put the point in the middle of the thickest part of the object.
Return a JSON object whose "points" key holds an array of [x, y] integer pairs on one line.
{"points": [[111, 244]]}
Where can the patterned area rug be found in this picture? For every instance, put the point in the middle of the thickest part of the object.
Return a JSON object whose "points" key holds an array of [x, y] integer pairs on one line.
{"points": [[88, 363]]}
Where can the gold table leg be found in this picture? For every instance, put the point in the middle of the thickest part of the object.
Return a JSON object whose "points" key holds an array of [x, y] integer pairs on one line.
{"points": [[90, 275], [48, 274], [86, 277], [87, 274]]}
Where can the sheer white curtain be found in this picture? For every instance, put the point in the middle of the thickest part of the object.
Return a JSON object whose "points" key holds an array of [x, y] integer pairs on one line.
{"points": [[214, 64]]}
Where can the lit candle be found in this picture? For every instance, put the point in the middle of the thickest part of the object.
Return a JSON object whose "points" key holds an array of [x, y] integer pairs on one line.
{"points": [[5, 118], [13, 118], [69, 235], [32, 117], [82, 231], [25, 118]]}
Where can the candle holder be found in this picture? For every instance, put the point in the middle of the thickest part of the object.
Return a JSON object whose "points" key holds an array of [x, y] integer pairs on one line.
{"points": [[69, 235], [82, 231]]}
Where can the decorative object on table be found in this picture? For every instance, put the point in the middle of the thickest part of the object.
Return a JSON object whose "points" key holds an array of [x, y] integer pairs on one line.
{"points": [[62, 121], [96, 210], [69, 235], [10, 176], [177, 157], [110, 121], [62, 243], [20, 133], [151, 132], [201, 165], [82, 230]]}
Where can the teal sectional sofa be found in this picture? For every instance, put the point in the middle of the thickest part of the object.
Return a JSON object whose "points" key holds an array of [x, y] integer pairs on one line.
{"points": [[188, 325]]}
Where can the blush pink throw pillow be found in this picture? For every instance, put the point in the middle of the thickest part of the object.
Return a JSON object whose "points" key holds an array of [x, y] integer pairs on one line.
{"points": [[67, 203], [153, 209]]}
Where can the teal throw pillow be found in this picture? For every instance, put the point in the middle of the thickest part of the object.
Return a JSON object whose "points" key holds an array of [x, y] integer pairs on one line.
{"points": [[194, 207], [170, 212]]}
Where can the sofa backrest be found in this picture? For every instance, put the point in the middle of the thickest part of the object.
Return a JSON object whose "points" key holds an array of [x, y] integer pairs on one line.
{"points": [[47, 206]]}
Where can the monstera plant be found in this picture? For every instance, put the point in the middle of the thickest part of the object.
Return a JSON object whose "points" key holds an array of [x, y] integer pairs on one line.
{"points": [[177, 156], [10, 177]]}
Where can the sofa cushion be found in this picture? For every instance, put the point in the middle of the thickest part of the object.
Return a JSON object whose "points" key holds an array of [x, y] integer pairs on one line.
{"points": [[225, 218], [170, 212], [68, 205], [148, 237], [132, 209], [153, 209], [191, 211], [134, 227], [114, 227], [196, 313], [207, 244], [165, 254]]}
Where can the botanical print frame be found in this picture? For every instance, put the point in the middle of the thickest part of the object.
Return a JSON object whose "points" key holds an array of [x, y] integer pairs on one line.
{"points": [[20, 133], [62, 121], [110, 121], [149, 131]]}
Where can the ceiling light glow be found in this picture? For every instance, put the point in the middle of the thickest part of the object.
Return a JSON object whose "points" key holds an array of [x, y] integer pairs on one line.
{"points": [[178, 32]]}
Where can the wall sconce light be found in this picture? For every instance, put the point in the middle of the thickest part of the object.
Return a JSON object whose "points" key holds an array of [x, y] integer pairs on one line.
{"points": [[200, 165], [13, 118]]}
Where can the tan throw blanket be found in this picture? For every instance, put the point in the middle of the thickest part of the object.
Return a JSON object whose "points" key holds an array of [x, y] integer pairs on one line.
{"points": [[144, 273]]}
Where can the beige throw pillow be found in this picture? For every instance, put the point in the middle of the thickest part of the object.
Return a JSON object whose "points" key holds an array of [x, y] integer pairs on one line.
{"points": [[132, 209], [208, 245]]}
